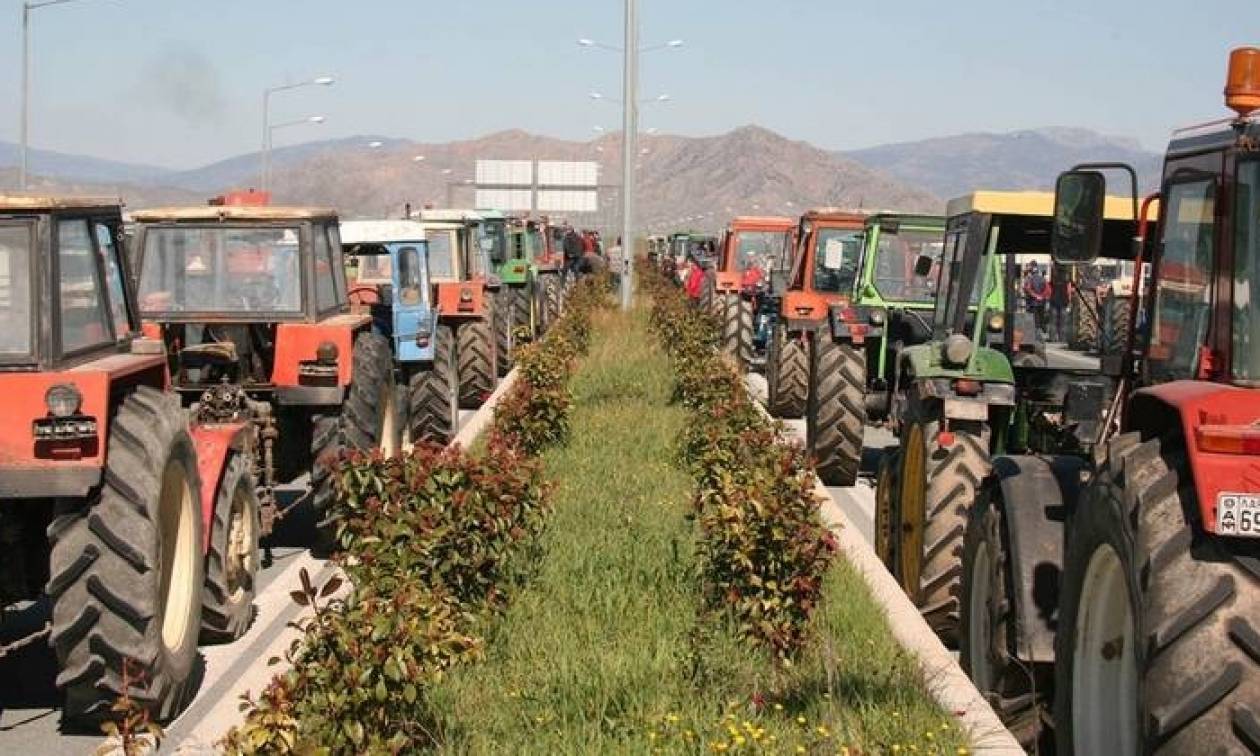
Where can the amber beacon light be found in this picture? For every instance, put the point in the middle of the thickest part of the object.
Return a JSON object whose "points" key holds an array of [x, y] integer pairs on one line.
{"points": [[1242, 83]]}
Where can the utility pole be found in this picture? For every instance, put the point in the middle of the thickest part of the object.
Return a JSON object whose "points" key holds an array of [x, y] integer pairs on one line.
{"points": [[630, 151], [26, 91]]}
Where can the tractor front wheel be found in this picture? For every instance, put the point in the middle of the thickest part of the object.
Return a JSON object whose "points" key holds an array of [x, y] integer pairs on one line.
{"points": [[737, 329], [836, 411], [227, 600], [1115, 325], [787, 374], [434, 393], [551, 298], [886, 508], [127, 569], [504, 323], [938, 481], [1158, 633], [478, 372]]}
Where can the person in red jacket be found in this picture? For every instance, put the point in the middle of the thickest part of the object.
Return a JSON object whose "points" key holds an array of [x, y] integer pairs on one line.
{"points": [[695, 279]]}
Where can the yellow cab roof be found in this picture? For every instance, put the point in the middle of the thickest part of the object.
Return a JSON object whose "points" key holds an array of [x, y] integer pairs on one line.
{"points": [[1032, 204], [232, 212], [34, 203]]}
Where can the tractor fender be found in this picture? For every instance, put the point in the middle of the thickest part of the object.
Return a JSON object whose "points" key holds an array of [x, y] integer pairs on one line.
{"points": [[1188, 408], [214, 441], [804, 305], [461, 299], [297, 343], [1034, 496]]}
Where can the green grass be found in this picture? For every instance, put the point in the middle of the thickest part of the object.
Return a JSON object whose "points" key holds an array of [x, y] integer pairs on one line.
{"points": [[605, 650]]}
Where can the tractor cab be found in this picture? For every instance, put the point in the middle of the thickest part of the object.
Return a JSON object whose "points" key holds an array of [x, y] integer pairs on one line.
{"points": [[68, 337], [825, 266], [751, 250], [393, 282]]}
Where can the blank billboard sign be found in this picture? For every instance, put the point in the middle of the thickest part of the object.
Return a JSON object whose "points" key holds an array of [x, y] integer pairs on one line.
{"points": [[563, 173], [504, 199], [505, 172], [561, 201]]}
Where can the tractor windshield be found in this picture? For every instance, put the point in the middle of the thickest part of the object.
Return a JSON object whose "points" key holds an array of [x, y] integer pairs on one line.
{"points": [[894, 265], [760, 249], [1183, 298], [1246, 321], [494, 236], [836, 256], [220, 269], [15, 290]]}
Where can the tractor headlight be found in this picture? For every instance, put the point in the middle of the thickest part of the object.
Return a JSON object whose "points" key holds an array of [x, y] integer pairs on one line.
{"points": [[465, 295], [326, 353], [997, 322], [63, 400], [957, 349]]}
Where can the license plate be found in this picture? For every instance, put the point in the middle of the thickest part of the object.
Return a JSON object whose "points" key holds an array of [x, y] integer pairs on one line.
{"points": [[1238, 514]]}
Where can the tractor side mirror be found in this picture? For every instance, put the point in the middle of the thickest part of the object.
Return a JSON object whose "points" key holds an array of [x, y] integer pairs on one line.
{"points": [[923, 265], [1076, 234]]}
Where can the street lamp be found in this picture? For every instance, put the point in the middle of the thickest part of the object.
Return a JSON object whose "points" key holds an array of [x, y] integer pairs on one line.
{"points": [[418, 159], [271, 128], [27, 7], [319, 81]]}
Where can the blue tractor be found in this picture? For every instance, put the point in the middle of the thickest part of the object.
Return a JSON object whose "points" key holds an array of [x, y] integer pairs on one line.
{"points": [[389, 276]]}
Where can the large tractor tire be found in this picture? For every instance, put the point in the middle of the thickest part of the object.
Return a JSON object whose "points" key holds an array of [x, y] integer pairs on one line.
{"points": [[1083, 336], [1114, 314], [885, 515], [708, 291], [522, 312], [434, 393], [737, 333], [127, 569], [359, 426], [1159, 624], [937, 487], [227, 599], [504, 323], [551, 298], [1020, 693], [475, 353], [787, 375], [836, 410]]}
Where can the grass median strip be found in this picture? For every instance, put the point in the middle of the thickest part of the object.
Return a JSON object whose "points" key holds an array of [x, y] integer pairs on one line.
{"points": [[608, 648]]}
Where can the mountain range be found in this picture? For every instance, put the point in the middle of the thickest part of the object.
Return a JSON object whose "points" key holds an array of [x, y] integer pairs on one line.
{"points": [[692, 181]]}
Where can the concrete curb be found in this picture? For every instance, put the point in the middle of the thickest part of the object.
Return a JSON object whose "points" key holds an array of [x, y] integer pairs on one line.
{"points": [[945, 681], [211, 717]]}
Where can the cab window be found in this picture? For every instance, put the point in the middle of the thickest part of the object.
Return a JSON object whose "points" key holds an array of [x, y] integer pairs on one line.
{"points": [[110, 254], [1246, 321], [84, 320], [325, 282], [1183, 298], [441, 253], [15, 290]]}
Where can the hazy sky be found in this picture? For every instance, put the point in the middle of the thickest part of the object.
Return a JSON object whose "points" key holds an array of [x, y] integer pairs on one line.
{"points": [[178, 83]]}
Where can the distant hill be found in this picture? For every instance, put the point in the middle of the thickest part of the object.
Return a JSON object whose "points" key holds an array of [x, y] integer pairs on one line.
{"points": [[1029, 159], [63, 165]]}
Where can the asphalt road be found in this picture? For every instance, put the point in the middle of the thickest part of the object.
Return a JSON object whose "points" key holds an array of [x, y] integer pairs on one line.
{"points": [[30, 706]]}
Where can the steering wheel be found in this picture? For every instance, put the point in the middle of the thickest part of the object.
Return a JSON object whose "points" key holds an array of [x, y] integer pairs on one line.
{"points": [[364, 295]]}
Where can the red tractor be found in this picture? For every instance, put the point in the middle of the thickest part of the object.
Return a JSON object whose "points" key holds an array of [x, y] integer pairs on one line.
{"points": [[752, 249], [1134, 579], [140, 528], [251, 304]]}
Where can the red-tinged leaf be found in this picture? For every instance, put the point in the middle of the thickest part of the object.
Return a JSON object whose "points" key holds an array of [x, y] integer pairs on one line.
{"points": [[300, 598], [330, 587]]}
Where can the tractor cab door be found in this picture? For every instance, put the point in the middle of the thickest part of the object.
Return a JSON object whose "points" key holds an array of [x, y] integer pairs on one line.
{"points": [[965, 261], [412, 309]]}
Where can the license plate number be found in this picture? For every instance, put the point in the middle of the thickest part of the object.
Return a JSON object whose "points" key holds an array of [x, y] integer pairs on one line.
{"points": [[1238, 514]]}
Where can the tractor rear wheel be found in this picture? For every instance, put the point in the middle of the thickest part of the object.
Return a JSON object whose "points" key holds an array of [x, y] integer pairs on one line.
{"points": [[937, 486], [836, 411], [737, 329], [359, 426], [522, 313], [1020, 693], [227, 599], [1084, 321], [434, 393], [478, 373], [1158, 634], [708, 286], [1115, 325], [127, 569], [787, 374], [504, 323], [551, 298]]}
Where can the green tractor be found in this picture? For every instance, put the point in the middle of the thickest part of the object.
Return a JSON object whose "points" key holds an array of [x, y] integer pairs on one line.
{"points": [[890, 285], [984, 384]]}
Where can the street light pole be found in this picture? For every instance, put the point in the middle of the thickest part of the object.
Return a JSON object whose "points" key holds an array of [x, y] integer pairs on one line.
{"points": [[27, 7], [265, 177], [629, 105]]}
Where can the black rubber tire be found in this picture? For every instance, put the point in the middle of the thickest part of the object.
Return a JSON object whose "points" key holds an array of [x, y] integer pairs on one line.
{"points": [[522, 309], [836, 410], [552, 298], [434, 393], [504, 339], [885, 513], [1115, 325], [1084, 321], [933, 512], [744, 348], [226, 609], [475, 354], [708, 288], [357, 427], [107, 568], [787, 375], [1195, 597], [737, 330], [1020, 693]]}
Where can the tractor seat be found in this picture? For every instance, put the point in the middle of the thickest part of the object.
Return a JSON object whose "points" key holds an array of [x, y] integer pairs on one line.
{"points": [[212, 354]]}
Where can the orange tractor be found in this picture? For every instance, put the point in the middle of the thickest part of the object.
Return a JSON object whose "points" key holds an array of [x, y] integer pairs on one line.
{"points": [[814, 283], [251, 304], [1133, 578], [139, 523], [752, 250]]}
